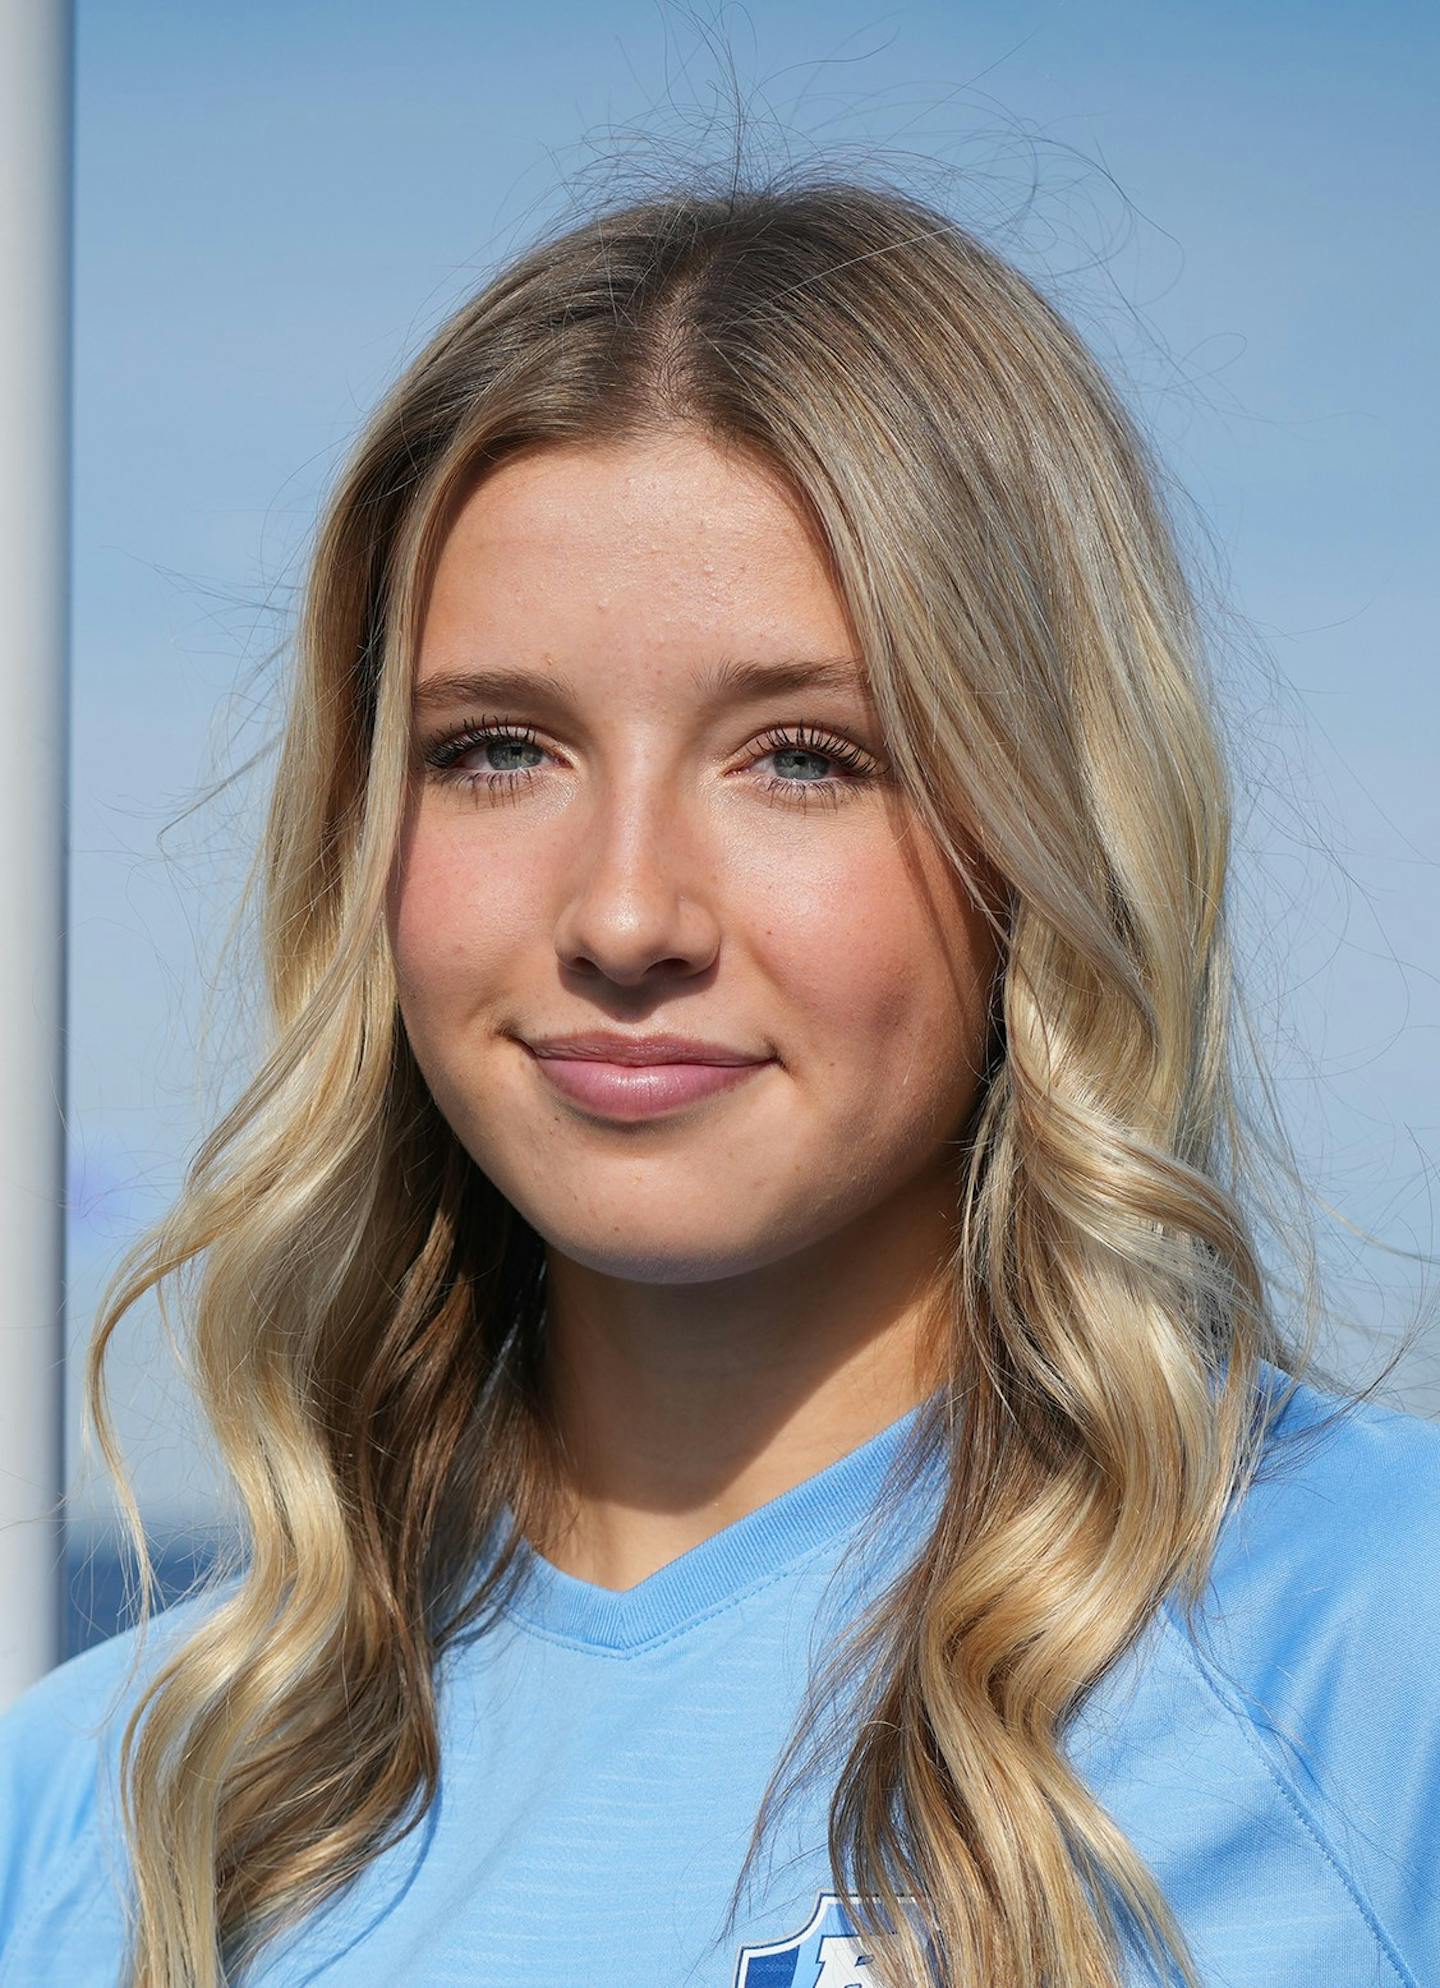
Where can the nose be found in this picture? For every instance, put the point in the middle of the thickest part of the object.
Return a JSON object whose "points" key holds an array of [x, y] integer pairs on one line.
{"points": [[640, 897]]}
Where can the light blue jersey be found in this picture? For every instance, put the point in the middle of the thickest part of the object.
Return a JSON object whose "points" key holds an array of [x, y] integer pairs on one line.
{"points": [[604, 1755]]}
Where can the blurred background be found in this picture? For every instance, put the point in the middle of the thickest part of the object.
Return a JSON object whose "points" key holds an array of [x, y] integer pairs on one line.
{"points": [[274, 207]]}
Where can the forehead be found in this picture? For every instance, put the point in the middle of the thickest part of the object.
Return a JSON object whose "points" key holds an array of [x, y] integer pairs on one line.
{"points": [[680, 487], [665, 556]]}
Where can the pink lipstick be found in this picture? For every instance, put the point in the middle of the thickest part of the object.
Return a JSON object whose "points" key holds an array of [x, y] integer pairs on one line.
{"points": [[635, 1077]]}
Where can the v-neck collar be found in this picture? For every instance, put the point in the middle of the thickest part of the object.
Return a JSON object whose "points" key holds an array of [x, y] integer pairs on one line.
{"points": [[709, 1576]]}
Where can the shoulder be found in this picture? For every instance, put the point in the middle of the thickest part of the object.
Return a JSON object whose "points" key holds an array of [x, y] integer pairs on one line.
{"points": [[59, 1741], [1341, 1528], [1319, 1633]]}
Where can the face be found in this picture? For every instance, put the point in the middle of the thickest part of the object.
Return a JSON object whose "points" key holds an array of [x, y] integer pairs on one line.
{"points": [[621, 824]]}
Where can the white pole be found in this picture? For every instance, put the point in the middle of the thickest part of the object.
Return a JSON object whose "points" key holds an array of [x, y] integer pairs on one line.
{"points": [[36, 54]]}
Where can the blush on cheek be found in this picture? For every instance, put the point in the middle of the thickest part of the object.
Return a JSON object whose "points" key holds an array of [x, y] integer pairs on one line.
{"points": [[449, 921], [865, 969]]}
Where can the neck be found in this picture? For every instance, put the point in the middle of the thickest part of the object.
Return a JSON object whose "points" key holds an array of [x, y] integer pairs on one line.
{"points": [[680, 1408]]}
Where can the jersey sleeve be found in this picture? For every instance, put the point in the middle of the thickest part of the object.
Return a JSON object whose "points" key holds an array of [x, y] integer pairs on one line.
{"points": [[1325, 1634], [59, 1744], [48, 1784]]}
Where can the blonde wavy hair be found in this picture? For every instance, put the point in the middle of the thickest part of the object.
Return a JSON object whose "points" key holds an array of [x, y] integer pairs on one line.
{"points": [[364, 1336]]}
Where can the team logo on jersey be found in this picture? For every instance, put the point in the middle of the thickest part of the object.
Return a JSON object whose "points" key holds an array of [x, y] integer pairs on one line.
{"points": [[825, 1953]]}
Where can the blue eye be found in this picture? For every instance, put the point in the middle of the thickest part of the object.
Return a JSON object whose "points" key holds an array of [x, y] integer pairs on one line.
{"points": [[441, 758], [802, 742]]}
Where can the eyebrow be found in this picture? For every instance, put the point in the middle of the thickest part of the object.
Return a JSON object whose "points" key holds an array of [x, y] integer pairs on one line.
{"points": [[732, 680]]}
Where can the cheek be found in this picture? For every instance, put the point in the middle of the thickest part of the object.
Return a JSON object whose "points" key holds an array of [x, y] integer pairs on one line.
{"points": [[454, 923], [882, 993]]}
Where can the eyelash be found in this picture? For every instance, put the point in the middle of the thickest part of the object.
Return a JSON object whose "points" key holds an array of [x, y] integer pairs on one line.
{"points": [[441, 755]]}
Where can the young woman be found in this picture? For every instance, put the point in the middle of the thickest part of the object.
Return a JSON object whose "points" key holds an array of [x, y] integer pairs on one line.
{"points": [[733, 1306]]}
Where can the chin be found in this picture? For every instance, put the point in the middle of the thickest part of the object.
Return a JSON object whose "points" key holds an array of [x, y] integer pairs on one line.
{"points": [[669, 1259]]}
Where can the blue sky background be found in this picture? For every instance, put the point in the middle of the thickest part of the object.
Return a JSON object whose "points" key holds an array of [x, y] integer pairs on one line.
{"points": [[275, 204]]}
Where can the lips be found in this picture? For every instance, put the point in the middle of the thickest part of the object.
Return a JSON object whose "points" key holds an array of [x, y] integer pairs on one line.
{"points": [[636, 1089], [605, 1046]]}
